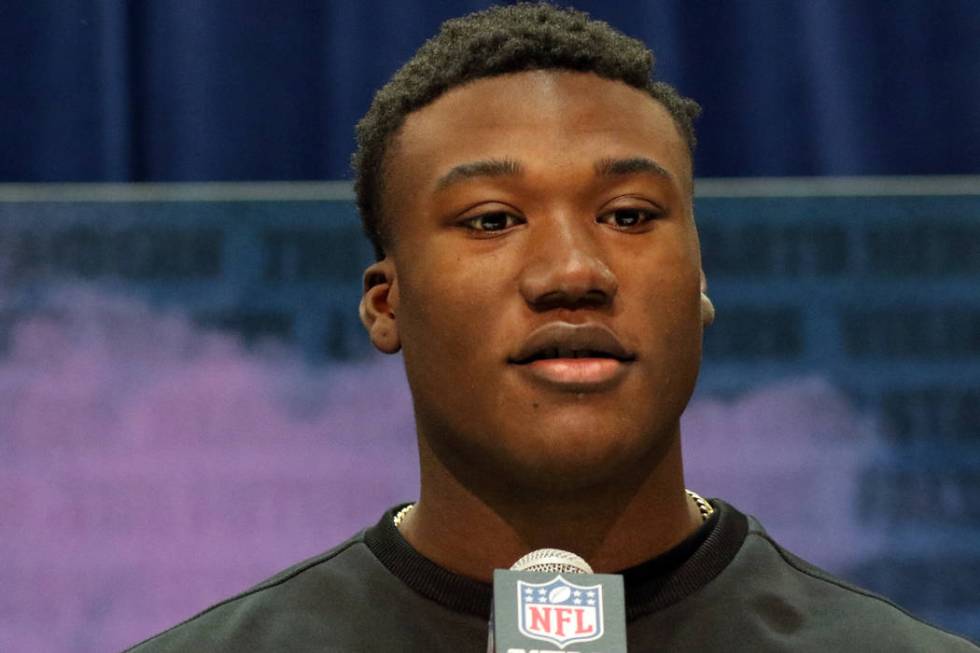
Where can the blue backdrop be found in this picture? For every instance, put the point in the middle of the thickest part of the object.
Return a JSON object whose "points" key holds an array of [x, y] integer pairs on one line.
{"points": [[248, 89], [188, 402]]}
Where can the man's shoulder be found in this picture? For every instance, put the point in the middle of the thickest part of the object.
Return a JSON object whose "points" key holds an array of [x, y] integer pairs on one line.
{"points": [[275, 606], [768, 599], [788, 594]]}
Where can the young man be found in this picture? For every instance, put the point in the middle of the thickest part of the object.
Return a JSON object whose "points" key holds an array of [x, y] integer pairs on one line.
{"points": [[528, 190]]}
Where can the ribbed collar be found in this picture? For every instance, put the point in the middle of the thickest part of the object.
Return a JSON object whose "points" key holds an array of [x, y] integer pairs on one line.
{"points": [[650, 586]]}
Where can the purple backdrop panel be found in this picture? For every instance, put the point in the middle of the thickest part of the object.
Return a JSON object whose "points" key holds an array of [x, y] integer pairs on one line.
{"points": [[150, 468]]}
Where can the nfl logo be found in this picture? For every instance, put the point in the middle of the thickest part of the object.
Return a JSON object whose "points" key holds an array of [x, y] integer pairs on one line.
{"points": [[559, 612]]}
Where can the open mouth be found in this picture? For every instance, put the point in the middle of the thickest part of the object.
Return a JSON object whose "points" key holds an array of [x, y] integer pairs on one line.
{"points": [[574, 357], [563, 340], [552, 353]]}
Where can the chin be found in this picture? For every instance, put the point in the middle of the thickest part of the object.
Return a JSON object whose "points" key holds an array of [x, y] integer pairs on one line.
{"points": [[557, 449], [568, 460]]}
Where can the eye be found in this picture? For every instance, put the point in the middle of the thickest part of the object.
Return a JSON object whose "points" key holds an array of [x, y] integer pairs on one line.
{"points": [[628, 218], [491, 222]]}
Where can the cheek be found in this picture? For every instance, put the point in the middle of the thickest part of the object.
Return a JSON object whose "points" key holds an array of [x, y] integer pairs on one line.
{"points": [[450, 348], [663, 288], [445, 312]]}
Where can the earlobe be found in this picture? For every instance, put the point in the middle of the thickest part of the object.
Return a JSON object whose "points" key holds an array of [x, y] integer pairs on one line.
{"points": [[707, 310], [378, 304], [707, 307]]}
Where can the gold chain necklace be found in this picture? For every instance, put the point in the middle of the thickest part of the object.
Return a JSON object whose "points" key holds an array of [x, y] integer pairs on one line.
{"points": [[703, 507]]}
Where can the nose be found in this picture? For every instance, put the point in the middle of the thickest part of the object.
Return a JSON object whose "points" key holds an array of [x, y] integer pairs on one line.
{"points": [[566, 268]]}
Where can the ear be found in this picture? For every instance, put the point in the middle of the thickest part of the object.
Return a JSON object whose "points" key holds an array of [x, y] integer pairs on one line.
{"points": [[378, 305], [707, 308]]}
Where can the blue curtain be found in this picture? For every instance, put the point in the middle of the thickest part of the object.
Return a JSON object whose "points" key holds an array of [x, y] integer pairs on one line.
{"points": [[176, 90]]}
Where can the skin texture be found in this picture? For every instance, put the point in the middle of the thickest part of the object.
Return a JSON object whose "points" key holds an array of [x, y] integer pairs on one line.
{"points": [[482, 255]]}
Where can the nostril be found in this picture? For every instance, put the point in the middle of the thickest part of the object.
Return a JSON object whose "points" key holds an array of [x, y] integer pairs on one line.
{"points": [[597, 297], [571, 299], [579, 282]]}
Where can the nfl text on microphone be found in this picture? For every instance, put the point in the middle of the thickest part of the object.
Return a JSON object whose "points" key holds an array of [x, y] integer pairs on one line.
{"points": [[544, 611]]}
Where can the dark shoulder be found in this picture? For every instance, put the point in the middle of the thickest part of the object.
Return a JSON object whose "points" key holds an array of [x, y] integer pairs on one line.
{"points": [[842, 611], [268, 611]]}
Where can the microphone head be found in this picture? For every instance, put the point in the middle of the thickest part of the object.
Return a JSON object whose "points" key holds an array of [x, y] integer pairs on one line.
{"points": [[552, 560]]}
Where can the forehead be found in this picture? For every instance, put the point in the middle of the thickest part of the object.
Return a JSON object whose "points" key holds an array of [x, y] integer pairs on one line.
{"points": [[532, 112]]}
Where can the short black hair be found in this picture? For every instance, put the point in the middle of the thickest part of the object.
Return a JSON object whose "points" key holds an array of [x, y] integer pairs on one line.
{"points": [[497, 41]]}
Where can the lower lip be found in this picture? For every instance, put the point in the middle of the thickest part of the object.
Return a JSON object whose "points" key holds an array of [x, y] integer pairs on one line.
{"points": [[579, 374]]}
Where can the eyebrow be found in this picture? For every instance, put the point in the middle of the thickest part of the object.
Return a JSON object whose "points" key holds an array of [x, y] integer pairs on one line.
{"points": [[608, 167], [630, 166], [485, 168]]}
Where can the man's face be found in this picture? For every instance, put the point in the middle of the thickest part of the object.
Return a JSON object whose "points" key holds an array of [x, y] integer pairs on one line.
{"points": [[544, 276]]}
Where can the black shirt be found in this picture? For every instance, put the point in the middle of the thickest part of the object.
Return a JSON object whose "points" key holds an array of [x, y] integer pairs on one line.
{"points": [[728, 587]]}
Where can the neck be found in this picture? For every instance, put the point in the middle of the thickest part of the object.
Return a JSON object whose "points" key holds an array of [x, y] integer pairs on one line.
{"points": [[634, 517]]}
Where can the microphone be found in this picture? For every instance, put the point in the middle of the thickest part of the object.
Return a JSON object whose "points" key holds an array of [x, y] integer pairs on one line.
{"points": [[537, 610]]}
